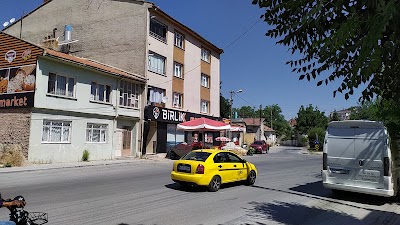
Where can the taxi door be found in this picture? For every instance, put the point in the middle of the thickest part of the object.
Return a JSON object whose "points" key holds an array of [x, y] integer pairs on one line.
{"points": [[238, 167], [223, 166]]}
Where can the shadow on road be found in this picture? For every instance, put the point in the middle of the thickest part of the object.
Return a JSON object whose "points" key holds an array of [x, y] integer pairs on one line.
{"points": [[295, 214], [178, 187], [317, 189]]}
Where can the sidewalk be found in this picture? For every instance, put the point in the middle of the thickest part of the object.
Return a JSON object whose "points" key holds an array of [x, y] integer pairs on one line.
{"points": [[36, 167]]}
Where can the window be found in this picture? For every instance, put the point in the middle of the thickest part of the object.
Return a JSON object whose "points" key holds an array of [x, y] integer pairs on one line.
{"points": [[96, 133], [56, 131], [178, 70], [100, 92], [156, 94], [197, 156], [233, 158], [177, 100], [179, 39], [61, 85], [158, 30], [156, 63], [129, 94], [204, 106], [205, 81], [205, 55]]}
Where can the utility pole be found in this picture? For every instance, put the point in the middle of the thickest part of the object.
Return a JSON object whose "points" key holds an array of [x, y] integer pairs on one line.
{"points": [[271, 116], [261, 127]]}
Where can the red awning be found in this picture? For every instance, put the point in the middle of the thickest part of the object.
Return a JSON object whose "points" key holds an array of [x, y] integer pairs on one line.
{"points": [[203, 124]]}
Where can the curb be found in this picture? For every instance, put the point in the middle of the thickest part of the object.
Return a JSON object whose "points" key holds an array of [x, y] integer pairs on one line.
{"points": [[76, 165]]}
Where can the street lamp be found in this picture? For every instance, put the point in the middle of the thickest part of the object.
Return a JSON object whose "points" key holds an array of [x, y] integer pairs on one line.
{"points": [[231, 104]]}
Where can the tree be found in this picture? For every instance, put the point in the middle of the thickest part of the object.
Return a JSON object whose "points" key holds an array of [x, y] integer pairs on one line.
{"points": [[245, 112], [365, 111], [310, 117], [279, 124], [355, 42], [380, 110], [224, 107], [316, 134], [335, 116]]}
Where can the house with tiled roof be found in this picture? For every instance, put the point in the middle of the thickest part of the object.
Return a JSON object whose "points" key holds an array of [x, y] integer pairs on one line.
{"points": [[53, 105], [256, 130], [182, 68]]}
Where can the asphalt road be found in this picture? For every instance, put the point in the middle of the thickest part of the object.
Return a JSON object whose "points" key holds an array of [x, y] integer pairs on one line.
{"points": [[288, 190]]}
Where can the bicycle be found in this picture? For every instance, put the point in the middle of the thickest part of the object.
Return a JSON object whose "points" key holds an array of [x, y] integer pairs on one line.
{"points": [[21, 217]]}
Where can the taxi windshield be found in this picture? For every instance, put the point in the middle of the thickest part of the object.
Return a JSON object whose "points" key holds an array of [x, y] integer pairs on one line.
{"points": [[197, 156]]}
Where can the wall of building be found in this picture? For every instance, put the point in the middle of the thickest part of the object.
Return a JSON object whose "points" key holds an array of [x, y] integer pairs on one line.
{"points": [[81, 103], [192, 70], [40, 152], [109, 31], [14, 129]]}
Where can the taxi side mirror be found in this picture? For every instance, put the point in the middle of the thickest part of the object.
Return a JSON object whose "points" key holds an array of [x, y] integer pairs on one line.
{"points": [[243, 161]]}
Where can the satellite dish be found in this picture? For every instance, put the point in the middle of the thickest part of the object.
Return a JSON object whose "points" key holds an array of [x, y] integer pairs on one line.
{"points": [[6, 24], [12, 20]]}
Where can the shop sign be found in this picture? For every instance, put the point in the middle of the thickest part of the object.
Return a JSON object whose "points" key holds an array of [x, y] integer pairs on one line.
{"points": [[160, 114], [168, 115], [10, 56], [17, 85], [18, 100]]}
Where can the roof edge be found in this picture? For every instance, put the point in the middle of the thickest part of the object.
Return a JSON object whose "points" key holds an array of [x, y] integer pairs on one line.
{"points": [[189, 30]]}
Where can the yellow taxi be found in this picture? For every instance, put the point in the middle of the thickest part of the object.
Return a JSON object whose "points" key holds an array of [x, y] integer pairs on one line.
{"points": [[211, 168]]}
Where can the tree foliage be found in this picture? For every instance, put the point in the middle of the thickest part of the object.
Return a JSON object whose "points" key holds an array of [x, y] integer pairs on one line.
{"points": [[224, 107], [353, 42], [245, 112], [316, 134], [279, 124], [335, 116], [310, 117], [379, 109]]}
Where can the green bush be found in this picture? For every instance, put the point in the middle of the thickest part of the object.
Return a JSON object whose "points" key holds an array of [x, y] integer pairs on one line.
{"points": [[313, 134], [85, 155]]}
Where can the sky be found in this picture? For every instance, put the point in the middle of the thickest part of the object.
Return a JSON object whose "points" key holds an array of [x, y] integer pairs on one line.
{"points": [[251, 61]]}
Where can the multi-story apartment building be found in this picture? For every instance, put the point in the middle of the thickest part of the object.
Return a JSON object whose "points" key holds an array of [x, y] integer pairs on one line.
{"points": [[54, 106], [181, 67]]}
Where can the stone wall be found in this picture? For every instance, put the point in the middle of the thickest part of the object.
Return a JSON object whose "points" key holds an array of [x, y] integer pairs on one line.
{"points": [[15, 128]]}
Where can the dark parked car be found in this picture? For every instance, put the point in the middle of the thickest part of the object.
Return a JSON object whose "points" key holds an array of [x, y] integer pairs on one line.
{"points": [[260, 146]]}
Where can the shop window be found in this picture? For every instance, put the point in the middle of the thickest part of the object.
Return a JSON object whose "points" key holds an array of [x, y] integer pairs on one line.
{"points": [[96, 133], [61, 85], [55, 131], [129, 94], [174, 136], [100, 92]]}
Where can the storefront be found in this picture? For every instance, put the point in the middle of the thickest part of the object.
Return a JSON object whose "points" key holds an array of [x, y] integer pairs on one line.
{"points": [[161, 133], [18, 63]]}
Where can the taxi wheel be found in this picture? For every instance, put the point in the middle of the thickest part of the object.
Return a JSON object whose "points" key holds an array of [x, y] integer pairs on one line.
{"points": [[251, 179], [215, 184]]}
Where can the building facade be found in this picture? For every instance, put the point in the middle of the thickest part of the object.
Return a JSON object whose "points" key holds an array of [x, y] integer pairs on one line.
{"points": [[62, 105], [182, 68]]}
